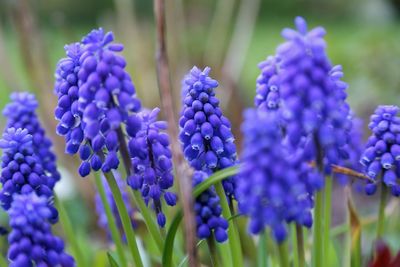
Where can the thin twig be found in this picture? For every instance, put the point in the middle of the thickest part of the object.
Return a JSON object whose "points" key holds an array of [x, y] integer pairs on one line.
{"points": [[164, 84], [347, 171], [350, 172]]}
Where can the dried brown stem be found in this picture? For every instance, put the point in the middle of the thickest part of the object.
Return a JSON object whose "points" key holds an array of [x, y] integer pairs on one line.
{"points": [[164, 85], [347, 171], [350, 172]]}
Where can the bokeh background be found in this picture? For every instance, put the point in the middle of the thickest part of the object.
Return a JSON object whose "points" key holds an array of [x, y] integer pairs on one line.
{"points": [[231, 36]]}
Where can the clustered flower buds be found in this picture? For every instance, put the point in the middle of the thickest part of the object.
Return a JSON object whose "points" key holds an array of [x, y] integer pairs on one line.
{"points": [[96, 96], [267, 90], [152, 165], [21, 113], [273, 187], [101, 213], [382, 153], [205, 134], [22, 171], [208, 212], [31, 240]]}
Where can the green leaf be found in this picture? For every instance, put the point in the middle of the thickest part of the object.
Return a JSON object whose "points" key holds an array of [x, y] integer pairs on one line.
{"points": [[111, 260], [200, 188]]}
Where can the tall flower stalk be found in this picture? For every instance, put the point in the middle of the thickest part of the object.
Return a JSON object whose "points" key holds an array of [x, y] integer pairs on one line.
{"points": [[96, 96], [314, 110], [381, 157], [208, 142]]}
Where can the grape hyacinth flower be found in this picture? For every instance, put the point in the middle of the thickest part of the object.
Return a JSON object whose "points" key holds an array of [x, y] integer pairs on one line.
{"points": [[382, 153], [22, 172], [21, 113], [31, 240], [267, 91], [152, 165], [102, 221], [208, 212], [66, 88], [312, 94], [273, 189], [206, 134], [102, 99]]}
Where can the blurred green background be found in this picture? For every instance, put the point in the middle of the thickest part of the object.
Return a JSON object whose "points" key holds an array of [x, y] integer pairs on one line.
{"points": [[231, 36]]}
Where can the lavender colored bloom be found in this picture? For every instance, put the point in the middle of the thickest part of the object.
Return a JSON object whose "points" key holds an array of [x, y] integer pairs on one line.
{"points": [[267, 91], [22, 171], [381, 156], [31, 240], [66, 88], [21, 113], [102, 99], [102, 221], [312, 94], [152, 165], [208, 212], [205, 134], [274, 187]]}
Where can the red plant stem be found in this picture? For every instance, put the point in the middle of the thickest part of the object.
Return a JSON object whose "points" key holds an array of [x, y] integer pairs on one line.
{"points": [[164, 85]]}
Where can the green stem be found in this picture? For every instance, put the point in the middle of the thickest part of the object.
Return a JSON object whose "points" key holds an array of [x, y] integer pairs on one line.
{"points": [[300, 245], [262, 250], [213, 251], [273, 249], [381, 217], [283, 254], [234, 240], [295, 249], [327, 215], [69, 233], [317, 234], [115, 235], [126, 221]]}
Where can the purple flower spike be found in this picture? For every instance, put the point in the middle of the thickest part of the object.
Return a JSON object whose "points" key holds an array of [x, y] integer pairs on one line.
{"points": [[96, 96], [151, 160], [205, 134], [274, 187], [31, 241], [208, 212], [381, 154], [312, 96], [22, 171], [267, 92], [21, 113], [102, 221]]}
